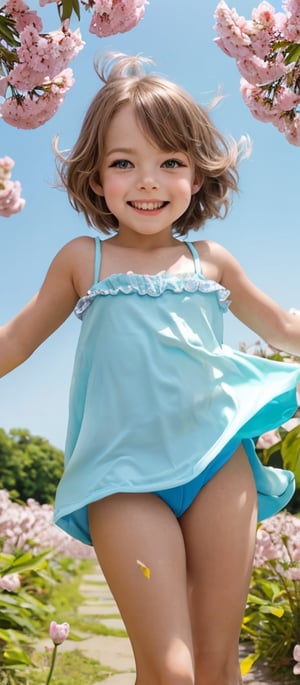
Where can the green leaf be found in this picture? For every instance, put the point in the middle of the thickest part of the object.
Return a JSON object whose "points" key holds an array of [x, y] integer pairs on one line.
{"points": [[290, 451], [67, 9], [269, 609], [76, 8], [293, 54], [25, 562], [15, 656]]}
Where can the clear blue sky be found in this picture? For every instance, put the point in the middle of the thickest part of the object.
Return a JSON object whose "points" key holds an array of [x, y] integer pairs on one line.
{"points": [[262, 230]]}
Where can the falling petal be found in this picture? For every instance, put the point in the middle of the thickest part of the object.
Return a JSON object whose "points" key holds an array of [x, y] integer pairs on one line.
{"points": [[145, 570]]}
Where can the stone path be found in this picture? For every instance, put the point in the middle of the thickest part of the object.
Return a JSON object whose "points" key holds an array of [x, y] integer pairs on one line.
{"points": [[116, 652]]}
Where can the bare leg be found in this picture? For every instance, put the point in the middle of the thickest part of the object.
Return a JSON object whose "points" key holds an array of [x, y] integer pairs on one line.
{"points": [[130, 527], [219, 531]]}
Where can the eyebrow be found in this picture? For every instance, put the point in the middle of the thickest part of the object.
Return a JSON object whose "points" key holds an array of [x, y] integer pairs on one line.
{"points": [[124, 150]]}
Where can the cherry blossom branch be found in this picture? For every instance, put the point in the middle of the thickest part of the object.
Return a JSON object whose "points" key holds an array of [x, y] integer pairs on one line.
{"points": [[34, 73], [267, 53]]}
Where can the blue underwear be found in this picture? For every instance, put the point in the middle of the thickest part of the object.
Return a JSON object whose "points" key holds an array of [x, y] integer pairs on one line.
{"points": [[180, 498]]}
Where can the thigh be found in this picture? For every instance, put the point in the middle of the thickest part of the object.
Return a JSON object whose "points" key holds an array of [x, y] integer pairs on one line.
{"points": [[127, 528], [219, 530]]}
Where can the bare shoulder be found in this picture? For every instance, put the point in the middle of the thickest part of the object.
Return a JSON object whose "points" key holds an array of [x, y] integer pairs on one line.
{"points": [[214, 259], [78, 256], [78, 246]]}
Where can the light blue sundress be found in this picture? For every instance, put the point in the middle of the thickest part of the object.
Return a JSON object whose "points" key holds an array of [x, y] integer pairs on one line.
{"points": [[156, 396]]}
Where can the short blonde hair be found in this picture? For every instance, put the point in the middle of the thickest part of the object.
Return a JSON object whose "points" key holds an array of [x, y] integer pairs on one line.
{"points": [[169, 117]]}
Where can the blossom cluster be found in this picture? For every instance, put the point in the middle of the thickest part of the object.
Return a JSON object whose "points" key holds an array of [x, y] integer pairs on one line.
{"points": [[34, 73], [267, 53], [35, 67], [115, 16], [278, 538], [31, 526], [10, 191]]}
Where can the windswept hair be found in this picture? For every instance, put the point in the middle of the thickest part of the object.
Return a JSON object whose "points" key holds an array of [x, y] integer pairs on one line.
{"points": [[169, 117]]}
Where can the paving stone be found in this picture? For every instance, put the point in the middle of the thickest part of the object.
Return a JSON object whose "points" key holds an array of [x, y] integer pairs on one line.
{"points": [[120, 679], [116, 652]]}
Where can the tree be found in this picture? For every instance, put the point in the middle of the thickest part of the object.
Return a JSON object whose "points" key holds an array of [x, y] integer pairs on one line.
{"points": [[30, 467]]}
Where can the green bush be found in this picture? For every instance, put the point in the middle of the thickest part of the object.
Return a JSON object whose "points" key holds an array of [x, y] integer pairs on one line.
{"points": [[272, 616], [30, 467]]}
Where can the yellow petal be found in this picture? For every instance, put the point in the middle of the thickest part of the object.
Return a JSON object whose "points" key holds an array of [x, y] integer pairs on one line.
{"points": [[247, 663], [145, 570]]}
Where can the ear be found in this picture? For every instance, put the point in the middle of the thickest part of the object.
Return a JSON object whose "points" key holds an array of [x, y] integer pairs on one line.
{"points": [[96, 187], [198, 183]]}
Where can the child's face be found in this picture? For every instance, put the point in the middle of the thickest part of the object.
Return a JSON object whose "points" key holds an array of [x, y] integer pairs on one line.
{"points": [[144, 187]]}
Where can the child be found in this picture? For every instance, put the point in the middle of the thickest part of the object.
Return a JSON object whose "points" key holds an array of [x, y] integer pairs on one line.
{"points": [[160, 465]]}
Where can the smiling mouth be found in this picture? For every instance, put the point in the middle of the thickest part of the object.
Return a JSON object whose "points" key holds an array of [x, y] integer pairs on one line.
{"points": [[147, 206]]}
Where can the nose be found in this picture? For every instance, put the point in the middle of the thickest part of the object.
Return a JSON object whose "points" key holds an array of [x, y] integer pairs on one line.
{"points": [[147, 182]]}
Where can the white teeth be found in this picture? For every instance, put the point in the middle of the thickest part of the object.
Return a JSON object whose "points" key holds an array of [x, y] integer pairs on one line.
{"points": [[147, 205]]}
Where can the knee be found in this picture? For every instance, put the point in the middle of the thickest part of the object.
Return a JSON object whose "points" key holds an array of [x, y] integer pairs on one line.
{"points": [[175, 668], [216, 670]]}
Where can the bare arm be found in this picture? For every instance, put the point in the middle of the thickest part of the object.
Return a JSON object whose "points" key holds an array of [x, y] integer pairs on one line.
{"points": [[47, 310], [248, 303]]}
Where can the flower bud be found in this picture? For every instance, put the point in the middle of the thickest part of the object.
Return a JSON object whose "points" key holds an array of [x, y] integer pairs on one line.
{"points": [[59, 632]]}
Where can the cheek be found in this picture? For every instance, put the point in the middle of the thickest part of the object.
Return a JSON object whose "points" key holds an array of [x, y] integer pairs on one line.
{"points": [[185, 190], [113, 190]]}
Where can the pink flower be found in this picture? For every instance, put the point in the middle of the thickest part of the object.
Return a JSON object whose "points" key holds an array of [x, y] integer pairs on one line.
{"points": [[10, 200], [269, 83], [32, 110], [3, 85], [10, 191], [268, 439], [58, 632], [296, 657], [292, 130], [6, 165], [23, 15], [264, 14], [10, 583], [42, 57], [115, 16]]}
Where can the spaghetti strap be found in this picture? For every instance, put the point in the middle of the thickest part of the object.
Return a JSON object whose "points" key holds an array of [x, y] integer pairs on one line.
{"points": [[97, 262], [196, 258]]}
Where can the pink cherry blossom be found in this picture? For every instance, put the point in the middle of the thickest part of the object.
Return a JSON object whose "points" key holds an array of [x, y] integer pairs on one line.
{"points": [[259, 71], [32, 110], [23, 15], [10, 583], [43, 57], [3, 85], [58, 632], [292, 130], [10, 200], [286, 99], [264, 14], [292, 26], [10, 191], [232, 29], [115, 16], [269, 83], [6, 165]]}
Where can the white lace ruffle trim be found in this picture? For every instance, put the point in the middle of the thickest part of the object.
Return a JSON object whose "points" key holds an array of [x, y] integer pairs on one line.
{"points": [[153, 286]]}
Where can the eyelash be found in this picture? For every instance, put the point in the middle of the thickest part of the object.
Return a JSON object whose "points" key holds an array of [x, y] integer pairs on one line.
{"points": [[178, 162], [119, 162]]}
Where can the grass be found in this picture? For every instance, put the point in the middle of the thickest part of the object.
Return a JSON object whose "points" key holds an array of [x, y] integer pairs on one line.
{"points": [[70, 667]]}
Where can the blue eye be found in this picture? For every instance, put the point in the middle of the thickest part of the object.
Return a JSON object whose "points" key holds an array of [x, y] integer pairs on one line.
{"points": [[122, 164], [172, 163]]}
